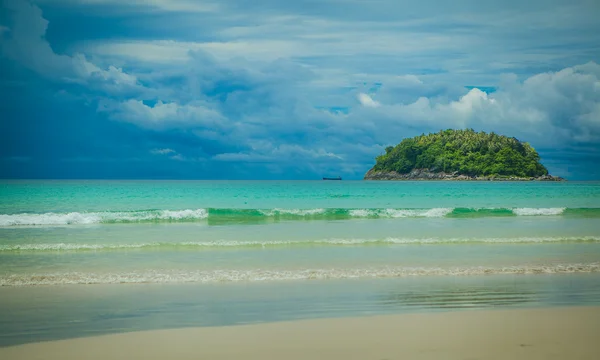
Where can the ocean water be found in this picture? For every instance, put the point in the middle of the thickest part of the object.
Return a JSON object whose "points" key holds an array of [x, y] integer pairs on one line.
{"points": [[307, 248]]}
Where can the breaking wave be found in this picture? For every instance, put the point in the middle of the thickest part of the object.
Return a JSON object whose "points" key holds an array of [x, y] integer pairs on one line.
{"points": [[538, 211], [75, 218], [224, 216]]}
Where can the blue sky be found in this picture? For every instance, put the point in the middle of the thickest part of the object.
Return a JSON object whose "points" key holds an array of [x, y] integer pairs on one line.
{"points": [[269, 89]]}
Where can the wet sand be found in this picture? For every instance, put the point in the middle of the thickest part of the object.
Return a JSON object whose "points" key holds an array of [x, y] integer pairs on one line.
{"points": [[543, 333]]}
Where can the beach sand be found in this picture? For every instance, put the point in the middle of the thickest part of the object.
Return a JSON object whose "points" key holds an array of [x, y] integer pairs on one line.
{"points": [[545, 333]]}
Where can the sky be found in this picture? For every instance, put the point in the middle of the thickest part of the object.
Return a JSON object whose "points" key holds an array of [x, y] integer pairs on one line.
{"points": [[266, 89]]}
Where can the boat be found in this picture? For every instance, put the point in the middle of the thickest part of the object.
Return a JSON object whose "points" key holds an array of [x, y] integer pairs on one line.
{"points": [[333, 178]]}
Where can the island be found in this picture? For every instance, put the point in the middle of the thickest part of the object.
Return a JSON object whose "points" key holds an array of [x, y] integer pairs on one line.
{"points": [[460, 155]]}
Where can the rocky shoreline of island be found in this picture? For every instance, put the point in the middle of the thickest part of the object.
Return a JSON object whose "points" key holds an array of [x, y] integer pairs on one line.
{"points": [[426, 174]]}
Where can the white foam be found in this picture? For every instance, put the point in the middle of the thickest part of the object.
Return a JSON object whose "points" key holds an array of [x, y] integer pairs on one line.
{"points": [[257, 275], [438, 212], [183, 214], [538, 211], [72, 247], [75, 218], [50, 219], [297, 212], [400, 213], [274, 243], [362, 213]]}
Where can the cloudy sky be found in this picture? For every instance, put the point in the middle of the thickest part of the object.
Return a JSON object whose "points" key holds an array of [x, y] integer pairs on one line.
{"points": [[274, 89]]}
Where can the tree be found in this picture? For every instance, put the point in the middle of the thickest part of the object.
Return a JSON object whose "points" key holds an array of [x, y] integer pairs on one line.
{"points": [[464, 151]]}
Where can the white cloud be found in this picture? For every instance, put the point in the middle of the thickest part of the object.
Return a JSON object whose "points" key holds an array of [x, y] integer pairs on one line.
{"points": [[367, 101], [178, 157], [266, 152], [550, 108], [475, 99], [460, 43], [87, 70], [155, 51], [164, 115], [164, 151], [162, 51]]}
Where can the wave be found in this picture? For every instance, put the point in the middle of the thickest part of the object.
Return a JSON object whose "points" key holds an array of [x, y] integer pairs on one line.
{"points": [[225, 216], [399, 213], [75, 218], [299, 243], [537, 211], [217, 276]]}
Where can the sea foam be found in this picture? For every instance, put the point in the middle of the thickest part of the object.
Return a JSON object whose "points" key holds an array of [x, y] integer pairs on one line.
{"points": [[538, 211], [225, 216], [297, 212], [82, 218], [216, 244], [400, 213], [257, 275]]}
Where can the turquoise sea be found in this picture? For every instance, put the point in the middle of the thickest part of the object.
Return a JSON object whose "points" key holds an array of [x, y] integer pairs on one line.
{"points": [[203, 253]]}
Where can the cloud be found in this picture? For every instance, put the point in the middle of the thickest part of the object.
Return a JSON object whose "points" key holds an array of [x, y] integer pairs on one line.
{"points": [[551, 110], [280, 153], [367, 101], [461, 42], [26, 44], [116, 76], [165, 151], [163, 115], [298, 89], [25, 41], [145, 5], [554, 107]]}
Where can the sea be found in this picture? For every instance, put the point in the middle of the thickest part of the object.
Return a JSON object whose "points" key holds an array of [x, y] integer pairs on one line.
{"points": [[81, 258]]}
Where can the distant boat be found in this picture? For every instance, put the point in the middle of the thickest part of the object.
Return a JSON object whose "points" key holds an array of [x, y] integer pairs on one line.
{"points": [[333, 178]]}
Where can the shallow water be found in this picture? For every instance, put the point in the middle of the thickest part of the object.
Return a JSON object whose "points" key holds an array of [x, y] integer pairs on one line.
{"points": [[203, 253], [59, 312], [69, 232]]}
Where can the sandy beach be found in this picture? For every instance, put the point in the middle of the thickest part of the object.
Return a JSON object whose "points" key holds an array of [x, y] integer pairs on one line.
{"points": [[547, 333]]}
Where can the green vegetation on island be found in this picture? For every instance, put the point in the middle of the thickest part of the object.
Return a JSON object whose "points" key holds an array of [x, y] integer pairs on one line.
{"points": [[464, 153]]}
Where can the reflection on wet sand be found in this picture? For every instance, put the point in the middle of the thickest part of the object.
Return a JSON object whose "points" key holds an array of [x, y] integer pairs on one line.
{"points": [[460, 297]]}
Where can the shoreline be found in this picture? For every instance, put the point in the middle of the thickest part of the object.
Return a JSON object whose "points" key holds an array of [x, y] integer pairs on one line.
{"points": [[426, 175], [535, 333], [467, 180]]}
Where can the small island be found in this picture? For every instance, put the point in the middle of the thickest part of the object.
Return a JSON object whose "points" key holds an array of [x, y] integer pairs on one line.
{"points": [[460, 155]]}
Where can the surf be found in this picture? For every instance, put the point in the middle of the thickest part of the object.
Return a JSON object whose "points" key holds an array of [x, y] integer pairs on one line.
{"points": [[230, 215], [257, 275], [232, 244]]}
